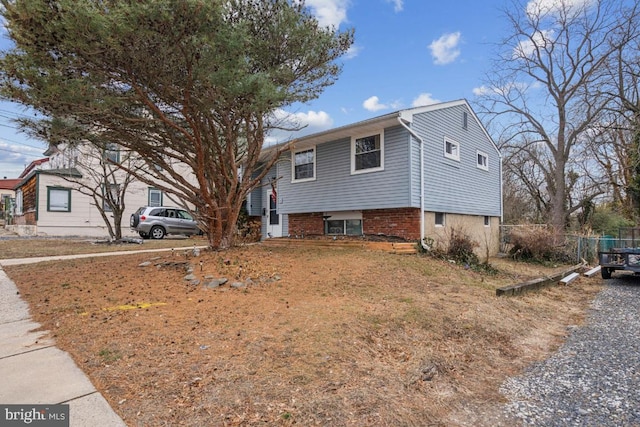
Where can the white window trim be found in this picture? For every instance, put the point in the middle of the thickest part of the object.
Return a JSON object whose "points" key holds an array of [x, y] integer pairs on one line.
{"points": [[487, 221], [293, 165], [486, 157], [18, 207], [152, 190], [455, 157], [66, 191], [353, 153], [444, 219]]}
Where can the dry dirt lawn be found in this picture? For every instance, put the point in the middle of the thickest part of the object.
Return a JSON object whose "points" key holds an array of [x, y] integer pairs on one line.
{"points": [[330, 337]]}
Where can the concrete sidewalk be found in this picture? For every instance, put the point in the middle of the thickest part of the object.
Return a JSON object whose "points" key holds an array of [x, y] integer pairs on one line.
{"points": [[33, 371]]}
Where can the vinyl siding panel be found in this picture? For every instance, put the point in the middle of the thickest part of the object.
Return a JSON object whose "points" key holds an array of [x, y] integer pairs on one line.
{"points": [[336, 189], [254, 207], [458, 186]]}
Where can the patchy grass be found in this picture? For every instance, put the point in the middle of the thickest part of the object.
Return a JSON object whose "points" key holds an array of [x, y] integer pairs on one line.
{"points": [[324, 336]]}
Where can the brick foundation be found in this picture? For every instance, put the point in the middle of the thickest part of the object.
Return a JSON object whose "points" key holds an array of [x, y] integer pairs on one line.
{"points": [[27, 218], [404, 222], [306, 224]]}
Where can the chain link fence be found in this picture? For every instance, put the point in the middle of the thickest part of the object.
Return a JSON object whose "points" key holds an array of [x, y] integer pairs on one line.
{"points": [[577, 248]]}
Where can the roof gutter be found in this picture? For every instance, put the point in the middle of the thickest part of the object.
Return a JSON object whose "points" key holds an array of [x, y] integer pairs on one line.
{"points": [[415, 135]]}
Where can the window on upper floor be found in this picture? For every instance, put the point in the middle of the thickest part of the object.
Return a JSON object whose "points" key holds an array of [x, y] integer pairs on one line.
{"points": [[155, 197], [112, 152], [58, 199], [367, 153], [451, 149], [483, 160], [304, 165], [114, 190]]}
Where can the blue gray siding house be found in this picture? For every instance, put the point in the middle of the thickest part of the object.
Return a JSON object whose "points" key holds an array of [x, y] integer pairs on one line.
{"points": [[416, 174]]}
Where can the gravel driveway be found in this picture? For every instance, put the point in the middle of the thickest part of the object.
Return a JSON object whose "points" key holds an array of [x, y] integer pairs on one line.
{"points": [[594, 379]]}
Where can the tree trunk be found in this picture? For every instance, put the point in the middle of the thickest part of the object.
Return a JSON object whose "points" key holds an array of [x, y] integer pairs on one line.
{"points": [[558, 200], [117, 224]]}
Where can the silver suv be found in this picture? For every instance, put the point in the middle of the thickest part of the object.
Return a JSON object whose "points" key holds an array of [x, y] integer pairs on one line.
{"points": [[157, 221]]}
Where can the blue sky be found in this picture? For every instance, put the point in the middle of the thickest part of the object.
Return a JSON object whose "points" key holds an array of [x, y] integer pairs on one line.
{"points": [[406, 53]]}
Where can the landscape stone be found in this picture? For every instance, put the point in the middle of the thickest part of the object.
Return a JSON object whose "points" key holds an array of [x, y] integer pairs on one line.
{"points": [[189, 277], [144, 264], [238, 285], [194, 282], [214, 283]]}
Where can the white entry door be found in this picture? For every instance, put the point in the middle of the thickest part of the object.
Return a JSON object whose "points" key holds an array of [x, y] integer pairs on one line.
{"points": [[273, 218]]}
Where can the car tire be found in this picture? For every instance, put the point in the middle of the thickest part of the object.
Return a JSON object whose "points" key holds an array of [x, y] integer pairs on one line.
{"points": [[134, 220], [157, 232], [143, 235], [605, 272]]}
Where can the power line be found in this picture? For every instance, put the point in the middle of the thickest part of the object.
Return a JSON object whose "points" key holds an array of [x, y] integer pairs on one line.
{"points": [[18, 152], [2, 138]]}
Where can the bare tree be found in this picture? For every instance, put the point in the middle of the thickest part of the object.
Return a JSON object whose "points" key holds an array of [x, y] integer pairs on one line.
{"points": [[96, 172], [544, 91], [621, 127]]}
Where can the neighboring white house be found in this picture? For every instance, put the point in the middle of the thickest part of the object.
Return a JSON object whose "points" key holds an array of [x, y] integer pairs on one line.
{"points": [[48, 202]]}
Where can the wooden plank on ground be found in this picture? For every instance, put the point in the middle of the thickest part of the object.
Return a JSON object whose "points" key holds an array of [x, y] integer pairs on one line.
{"points": [[570, 278], [593, 271]]}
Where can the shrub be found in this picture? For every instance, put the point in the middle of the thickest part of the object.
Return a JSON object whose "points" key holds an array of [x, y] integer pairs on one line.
{"points": [[536, 244], [461, 248]]}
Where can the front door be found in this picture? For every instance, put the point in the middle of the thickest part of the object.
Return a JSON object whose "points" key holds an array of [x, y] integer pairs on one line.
{"points": [[273, 218]]}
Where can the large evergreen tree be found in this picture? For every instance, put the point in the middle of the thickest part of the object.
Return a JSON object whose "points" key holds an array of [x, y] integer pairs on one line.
{"points": [[189, 85]]}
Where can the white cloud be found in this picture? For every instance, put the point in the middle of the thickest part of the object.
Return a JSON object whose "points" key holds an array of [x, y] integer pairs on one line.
{"points": [[504, 90], [526, 48], [352, 52], [309, 122], [445, 50], [314, 119], [424, 99], [373, 104], [540, 8], [397, 5], [330, 13], [482, 90], [14, 158]]}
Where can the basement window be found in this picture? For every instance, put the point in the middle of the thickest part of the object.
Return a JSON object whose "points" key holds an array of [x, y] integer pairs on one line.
{"points": [[347, 223]]}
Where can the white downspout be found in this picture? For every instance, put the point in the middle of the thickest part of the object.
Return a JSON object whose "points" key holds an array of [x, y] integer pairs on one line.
{"points": [[415, 135]]}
